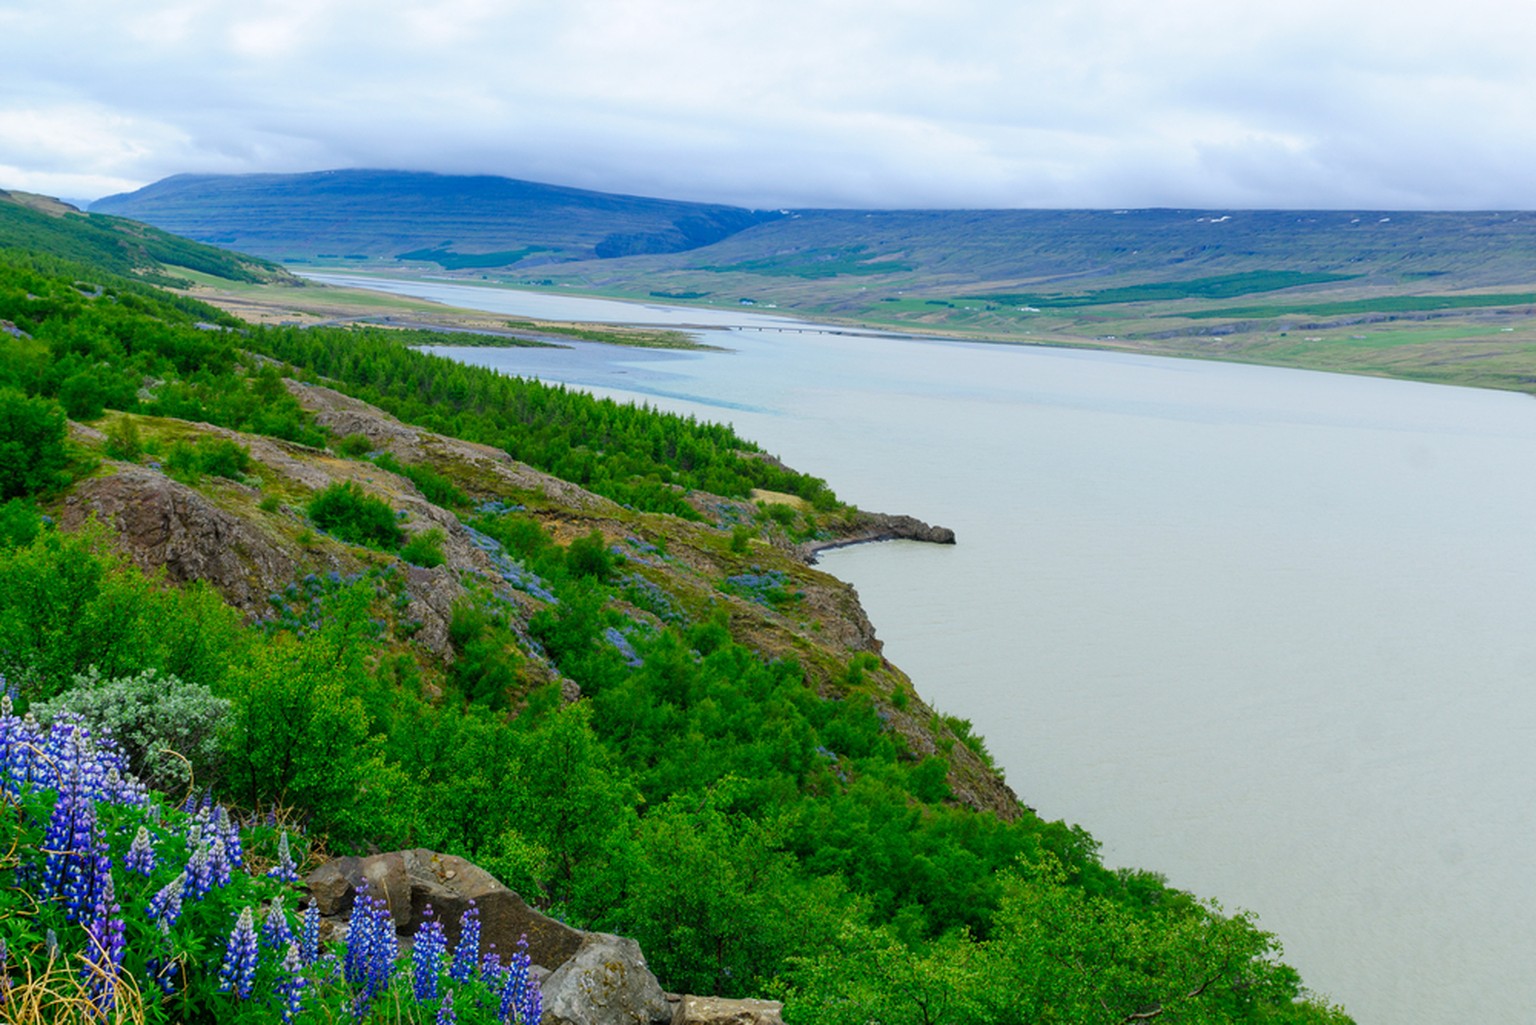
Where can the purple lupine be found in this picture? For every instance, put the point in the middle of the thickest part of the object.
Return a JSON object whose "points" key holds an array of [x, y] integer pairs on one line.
{"points": [[219, 868], [445, 1015], [71, 846], [285, 870], [309, 934], [141, 854], [516, 987], [165, 905], [275, 932], [427, 957], [468, 950], [5, 952], [290, 986], [371, 949], [199, 873], [228, 830], [104, 945], [238, 971]]}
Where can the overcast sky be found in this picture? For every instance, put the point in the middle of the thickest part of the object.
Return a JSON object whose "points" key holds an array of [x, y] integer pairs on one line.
{"points": [[770, 103]]}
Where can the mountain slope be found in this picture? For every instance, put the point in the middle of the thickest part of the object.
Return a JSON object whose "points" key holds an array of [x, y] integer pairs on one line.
{"points": [[40, 224], [458, 222]]}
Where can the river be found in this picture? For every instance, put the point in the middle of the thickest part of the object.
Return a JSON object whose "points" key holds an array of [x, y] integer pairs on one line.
{"points": [[1266, 631]]}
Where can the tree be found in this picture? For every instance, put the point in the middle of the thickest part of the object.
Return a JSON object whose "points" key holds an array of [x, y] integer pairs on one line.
{"points": [[32, 457]]}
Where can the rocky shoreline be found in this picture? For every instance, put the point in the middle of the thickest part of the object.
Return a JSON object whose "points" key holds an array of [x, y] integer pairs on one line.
{"points": [[868, 527]]}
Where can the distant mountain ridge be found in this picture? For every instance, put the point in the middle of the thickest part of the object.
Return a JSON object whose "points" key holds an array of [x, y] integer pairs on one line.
{"points": [[457, 221]]}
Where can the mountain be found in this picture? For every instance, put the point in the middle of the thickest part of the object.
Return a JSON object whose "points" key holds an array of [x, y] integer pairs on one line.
{"points": [[457, 222]]}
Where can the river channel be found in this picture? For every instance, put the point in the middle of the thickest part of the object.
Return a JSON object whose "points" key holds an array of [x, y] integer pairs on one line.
{"points": [[1267, 632]]}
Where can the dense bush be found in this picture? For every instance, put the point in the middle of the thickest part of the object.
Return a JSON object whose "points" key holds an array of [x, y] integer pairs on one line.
{"points": [[346, 511], [32, 456], [168, 729]]}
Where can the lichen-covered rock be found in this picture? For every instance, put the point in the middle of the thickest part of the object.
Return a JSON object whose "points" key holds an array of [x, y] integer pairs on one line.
{"points": [[411, 880], [162, 523], [605, 983], [691, 1010]]}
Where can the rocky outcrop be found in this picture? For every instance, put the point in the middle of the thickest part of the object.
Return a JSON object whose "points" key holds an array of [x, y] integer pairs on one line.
{"points": [[410, 881], [162, 523], [605, 983], [691, 1010], [868, 526]]}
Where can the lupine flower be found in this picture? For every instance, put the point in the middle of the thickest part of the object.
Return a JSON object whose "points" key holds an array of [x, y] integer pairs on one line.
{"points": [[228, 830], [445, 1015], [199, 873], [163, 973], [104, 946], [519, 995], [275, 932], [238, 971], [141, 854], [218, 862], [165, 905], [5, 953], [72, 844], [427, 958], [371, 949], [309, 934], [285, 870], [290, 986], [468, 950]]}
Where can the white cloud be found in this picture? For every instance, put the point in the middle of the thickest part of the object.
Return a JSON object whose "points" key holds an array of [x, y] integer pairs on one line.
{"points": [[796, 102]]}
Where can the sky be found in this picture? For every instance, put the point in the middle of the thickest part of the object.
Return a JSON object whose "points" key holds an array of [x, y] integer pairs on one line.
{"points": [[793, 103]]}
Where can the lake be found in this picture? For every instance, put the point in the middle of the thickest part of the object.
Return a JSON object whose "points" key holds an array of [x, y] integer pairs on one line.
{"points": [[1268, 632]]}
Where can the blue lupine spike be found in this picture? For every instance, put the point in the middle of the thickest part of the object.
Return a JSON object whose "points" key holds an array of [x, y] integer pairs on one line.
{"points": [[467, 953], [141, 854], [165, 905], [285, 870], [427, 957], [309, 934], [238, 972], [445, 1014], [290, 987], [275, 932]]}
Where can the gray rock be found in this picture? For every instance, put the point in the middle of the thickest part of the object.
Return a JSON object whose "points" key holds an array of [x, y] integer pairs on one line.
{"points": [[692, 1010], [606, 983]]}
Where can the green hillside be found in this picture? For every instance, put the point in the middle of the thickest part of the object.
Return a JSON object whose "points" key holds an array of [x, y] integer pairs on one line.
{"points": [[36, 224]]}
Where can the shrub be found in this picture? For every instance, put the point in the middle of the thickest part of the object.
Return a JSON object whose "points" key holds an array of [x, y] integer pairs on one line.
{"points": [[588, 556], [345, 511], [166, 727], [32, 456], [353, 446], [424, 549], [123, 441]]}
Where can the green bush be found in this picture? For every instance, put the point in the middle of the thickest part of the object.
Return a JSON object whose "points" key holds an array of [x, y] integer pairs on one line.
{"points": [[425, 549], [345, 511], [168, 728], [32, 456], [588, 556]]}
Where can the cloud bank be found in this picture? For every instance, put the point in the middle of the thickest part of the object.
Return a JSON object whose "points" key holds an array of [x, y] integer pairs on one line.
{"points": [[793, 103]]}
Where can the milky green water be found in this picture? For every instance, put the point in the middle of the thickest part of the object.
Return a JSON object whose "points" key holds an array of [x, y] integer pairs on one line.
{"points": [[1268, 632]]}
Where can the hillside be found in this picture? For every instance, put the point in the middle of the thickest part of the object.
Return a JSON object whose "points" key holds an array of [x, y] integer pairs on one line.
{"points": [[39, 224], [454, 222]]}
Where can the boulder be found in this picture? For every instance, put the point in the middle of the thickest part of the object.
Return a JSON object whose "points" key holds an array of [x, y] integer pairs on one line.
{"points": [[605, 983], [692, 1010], [409, 881]]}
